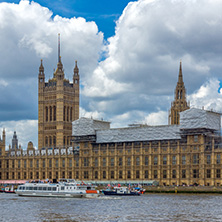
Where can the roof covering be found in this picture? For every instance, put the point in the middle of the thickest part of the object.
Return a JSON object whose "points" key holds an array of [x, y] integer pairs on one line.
{"points": [[198, 118], [190, 119], [138, 134], [86, 126]]}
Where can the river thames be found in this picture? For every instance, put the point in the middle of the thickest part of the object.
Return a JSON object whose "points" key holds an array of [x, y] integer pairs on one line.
{"points": [[148, 207]]}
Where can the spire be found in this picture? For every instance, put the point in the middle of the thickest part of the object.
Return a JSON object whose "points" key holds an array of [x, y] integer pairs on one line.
{"points": [[41, 69], [76, 69], [180, 77]]}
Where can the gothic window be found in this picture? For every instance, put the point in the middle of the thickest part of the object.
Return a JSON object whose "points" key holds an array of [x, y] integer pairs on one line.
{"points": [[155, 160], [104, 174], [120, 174], [178, 94], [96, 174], [50, 141], [50, 113], [70, 113], [54, 141], [112, 174], [67, 114], [46, 141], [183, 173], [137, 161], [64, 113], [174, 160], [64, 140], [174, 173], [218, 158], [164, 160], [164, 174], [146, 173], [54, 109], [67, 141], [128, 174], [128, 161], [46, 114], [181, 94]]}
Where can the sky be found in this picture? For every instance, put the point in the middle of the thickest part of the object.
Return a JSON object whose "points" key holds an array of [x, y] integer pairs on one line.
{"points": [[128, 55]]}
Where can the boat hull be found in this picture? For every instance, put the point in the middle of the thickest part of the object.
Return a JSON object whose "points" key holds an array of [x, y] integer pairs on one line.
{"points": [[120, 194], [47, 194]]}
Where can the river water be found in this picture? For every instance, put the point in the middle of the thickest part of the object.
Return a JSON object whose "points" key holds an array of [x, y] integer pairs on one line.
{"points": [[148, 207]]}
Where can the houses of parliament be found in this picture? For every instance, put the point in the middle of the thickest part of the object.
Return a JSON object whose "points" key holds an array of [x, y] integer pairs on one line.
{"points": [[187, 151]]}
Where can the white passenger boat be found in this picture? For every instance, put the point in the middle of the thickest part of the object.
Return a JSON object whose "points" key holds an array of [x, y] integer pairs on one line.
{"points": [[64, 188]]}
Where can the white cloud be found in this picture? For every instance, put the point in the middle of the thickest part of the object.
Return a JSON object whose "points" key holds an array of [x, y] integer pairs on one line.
{"points": [[207, 96], [135, 82], [157, 118], [26, 130]]}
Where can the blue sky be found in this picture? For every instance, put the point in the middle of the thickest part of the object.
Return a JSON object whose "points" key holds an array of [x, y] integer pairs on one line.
{"points": [[103, 12], [141, 44]]}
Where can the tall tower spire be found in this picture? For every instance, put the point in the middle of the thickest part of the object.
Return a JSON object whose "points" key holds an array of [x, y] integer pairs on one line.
{"points": [[180, 78], [179, 104]]}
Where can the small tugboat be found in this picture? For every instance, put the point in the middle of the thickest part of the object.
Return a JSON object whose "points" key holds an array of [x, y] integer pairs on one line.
{"points": [[64, 188], [121, 191]]}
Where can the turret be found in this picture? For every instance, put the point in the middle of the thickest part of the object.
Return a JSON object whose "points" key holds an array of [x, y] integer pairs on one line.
{"points": [[76, 75], [41, 74]]}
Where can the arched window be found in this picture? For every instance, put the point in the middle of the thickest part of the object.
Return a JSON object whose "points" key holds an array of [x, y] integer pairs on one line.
{"points": [[181, 94], [46, 141], [64, 140], [54, 109], [178, 94], [67, 114], [70, 113], [50, 141], [64, 114], [46, 114], [54, 141], [50, 113], [67, 141]]}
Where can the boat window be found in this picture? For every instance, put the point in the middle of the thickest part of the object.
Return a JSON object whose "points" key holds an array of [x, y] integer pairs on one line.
{"points": [[54, 188], [30, 188], [44, 188], [62, 188], [40, 188], [23, 188], [49, 188], [35, 188]]}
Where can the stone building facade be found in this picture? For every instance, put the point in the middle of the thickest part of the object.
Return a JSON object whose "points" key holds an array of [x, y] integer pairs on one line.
{"points": [[188, 151], [58, 107]]}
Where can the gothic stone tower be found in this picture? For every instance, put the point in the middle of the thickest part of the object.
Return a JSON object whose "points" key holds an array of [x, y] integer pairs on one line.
{"points": [[58, 106], [179, 104]]}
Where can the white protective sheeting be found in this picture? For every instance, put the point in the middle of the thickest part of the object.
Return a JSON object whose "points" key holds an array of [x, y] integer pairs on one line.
{"points": [[87, 126], [189, 119], [145, 133], [197, 118]]}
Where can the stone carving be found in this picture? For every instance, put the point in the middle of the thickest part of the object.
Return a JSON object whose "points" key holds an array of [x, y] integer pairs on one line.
{"points": [[63, 151], [56, 151], [70, 150]]}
